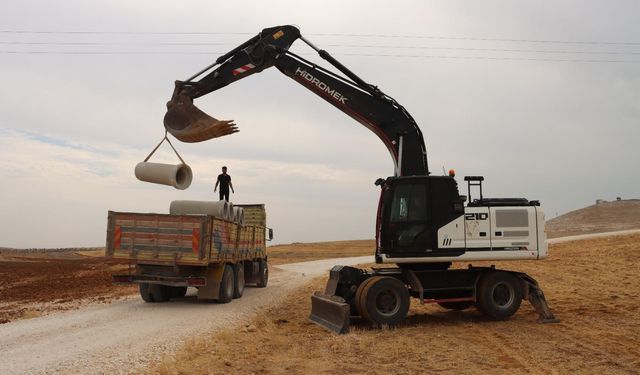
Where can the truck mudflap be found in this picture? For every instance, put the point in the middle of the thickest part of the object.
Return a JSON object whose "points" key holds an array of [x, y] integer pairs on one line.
{"points": [[330, 312]]}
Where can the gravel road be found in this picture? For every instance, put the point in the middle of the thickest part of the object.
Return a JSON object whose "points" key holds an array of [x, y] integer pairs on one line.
{"points": [[125, 336]]}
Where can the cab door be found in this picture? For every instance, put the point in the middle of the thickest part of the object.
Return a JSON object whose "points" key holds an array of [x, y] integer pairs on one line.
{"points": [[406, 229]]}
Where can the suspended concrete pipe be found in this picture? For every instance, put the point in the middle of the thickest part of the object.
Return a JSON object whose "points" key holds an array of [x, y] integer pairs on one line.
{"points": [[218, 209], [177, 175]]}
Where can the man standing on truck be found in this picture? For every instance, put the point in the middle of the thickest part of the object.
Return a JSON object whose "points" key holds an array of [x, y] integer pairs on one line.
{"points": [[224, 180]]}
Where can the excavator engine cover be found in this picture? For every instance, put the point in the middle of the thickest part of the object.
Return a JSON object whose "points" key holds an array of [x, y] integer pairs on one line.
{"points": [[189, 124]]}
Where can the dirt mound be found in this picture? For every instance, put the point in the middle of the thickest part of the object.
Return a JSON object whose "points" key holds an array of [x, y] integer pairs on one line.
{"points": [[601, 217]]}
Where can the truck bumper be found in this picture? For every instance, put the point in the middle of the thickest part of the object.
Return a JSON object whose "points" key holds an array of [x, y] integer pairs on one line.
{"points": [[162, 280]]}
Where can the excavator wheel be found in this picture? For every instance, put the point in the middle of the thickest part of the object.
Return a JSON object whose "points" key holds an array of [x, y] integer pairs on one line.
{"points": [[499, 295], [384, 301], [359, 300]]}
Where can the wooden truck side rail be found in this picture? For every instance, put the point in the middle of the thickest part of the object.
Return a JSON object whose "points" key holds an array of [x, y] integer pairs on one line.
{"points": [[190, 240]]}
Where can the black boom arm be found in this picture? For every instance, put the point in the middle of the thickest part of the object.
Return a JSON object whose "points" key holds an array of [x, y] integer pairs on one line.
{"points": [[363, 102]]}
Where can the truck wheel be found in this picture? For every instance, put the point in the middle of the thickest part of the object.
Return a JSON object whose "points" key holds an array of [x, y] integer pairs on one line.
{"points": [[239, 280], [386, 301], [154, 292], [226, 285], [263, 274], [458, 305], [178, 291], [499, 295]]}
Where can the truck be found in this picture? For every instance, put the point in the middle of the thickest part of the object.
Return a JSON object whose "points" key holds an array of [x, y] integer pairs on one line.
{"points": [[168, 253], [423, 223]]}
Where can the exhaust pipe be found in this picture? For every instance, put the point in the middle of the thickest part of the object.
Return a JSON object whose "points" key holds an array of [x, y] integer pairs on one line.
{"points": [[179, 175], [189, 124]]}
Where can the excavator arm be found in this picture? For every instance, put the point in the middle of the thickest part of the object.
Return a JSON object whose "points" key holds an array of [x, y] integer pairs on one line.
{"points": [[364, 102]]}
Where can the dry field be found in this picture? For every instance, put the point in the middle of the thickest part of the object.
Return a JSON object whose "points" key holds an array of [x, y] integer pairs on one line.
{"points": [[36, 283], [590, 285], [303, 252]]}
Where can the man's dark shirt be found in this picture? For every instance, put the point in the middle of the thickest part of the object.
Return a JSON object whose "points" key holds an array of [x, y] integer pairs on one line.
{"points": [[224, 180]]}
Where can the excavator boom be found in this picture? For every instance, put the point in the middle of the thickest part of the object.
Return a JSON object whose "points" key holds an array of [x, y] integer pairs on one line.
{"points": [[350, 94]]}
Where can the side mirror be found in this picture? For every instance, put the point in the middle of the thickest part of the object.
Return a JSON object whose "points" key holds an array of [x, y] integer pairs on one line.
{"points": [[269, 234]]}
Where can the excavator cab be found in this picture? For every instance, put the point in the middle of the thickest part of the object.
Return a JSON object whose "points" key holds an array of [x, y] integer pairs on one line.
{"points": [[412, 209], [188, 123]]}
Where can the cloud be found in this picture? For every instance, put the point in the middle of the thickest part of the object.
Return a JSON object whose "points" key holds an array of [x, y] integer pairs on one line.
{"points": [[74, 126]]}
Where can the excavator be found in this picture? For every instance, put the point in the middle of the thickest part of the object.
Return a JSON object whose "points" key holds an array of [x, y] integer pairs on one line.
{"points": [[423, 224]]}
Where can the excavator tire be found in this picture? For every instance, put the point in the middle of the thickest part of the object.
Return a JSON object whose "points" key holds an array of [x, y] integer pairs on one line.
{"points": [[359, 300], [499, 295], [385, 301]]}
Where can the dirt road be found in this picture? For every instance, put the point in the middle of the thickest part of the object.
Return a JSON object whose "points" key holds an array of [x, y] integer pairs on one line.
{"points": [[125, 336]]}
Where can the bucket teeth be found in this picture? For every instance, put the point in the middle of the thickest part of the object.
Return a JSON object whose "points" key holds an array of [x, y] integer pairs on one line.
{"points": [[330, 312], [189, 124]]}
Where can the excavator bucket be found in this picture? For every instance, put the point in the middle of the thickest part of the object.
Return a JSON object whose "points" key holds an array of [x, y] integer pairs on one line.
{"points": [[330, 312], [189, 124]]}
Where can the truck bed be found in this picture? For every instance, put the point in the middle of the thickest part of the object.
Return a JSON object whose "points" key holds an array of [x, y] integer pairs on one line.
{"points": [[198, 240]]}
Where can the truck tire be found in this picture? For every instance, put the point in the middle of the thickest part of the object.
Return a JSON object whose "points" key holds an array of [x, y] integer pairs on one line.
{"points": [[263, 274], [385, 301], [458, 305], [178, 291], [226, 285], [238, 273], [154, 292], [499, 295]]}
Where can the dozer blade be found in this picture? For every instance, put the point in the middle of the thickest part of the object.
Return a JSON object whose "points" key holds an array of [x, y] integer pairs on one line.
{"points": [[189, 124], [330, 312]]}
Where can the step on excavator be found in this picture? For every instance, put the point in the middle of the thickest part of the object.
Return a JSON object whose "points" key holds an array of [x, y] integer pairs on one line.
{"points": [[423, 224]]}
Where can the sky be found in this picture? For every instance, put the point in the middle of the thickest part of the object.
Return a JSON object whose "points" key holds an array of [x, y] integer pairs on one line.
{"points": [[541, 98]]}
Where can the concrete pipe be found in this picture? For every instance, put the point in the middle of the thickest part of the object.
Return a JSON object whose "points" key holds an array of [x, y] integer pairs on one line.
{"points": [[238, 215], [177, 175], [231, 212], [218, 209]]}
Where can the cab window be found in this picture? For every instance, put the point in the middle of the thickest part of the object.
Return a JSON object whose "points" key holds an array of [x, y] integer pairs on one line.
{"points": [[409, 203]]}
